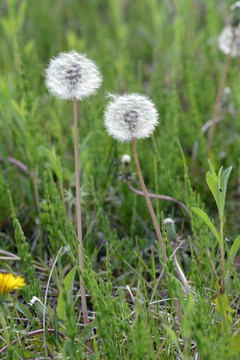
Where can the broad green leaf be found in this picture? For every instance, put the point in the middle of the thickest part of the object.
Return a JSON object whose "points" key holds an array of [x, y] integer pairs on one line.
{"points": [[222, 304], [214, 187], [234, 345], [25, 311], [67, 287], [225, 177], [218, 186], [223, 189], [207, 221], [220, 174], [234, 248], [212, 170]]}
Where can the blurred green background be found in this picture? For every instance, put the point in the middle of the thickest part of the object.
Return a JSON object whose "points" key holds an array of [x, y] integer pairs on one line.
{"points": [[164, 49]]}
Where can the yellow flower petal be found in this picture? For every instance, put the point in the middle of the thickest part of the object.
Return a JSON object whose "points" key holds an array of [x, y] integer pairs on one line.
{"points": [[9, 282]]}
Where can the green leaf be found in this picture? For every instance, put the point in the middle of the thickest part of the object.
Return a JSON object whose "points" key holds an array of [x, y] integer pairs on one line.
{"points": [[212, 170], [234, 346], [30, 355], [222, 304], [234, 248], [223, 186], [173, 336], [218, 186], [25, 311], [87, 331], [232, 253], [207, 221], [214, 187], [220, 174], [67, 288], [224, 179]]}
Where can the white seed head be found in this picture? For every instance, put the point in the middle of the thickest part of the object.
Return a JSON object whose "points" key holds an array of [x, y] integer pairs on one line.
{"points": [[168, 221], [126, 159], [235, 6], [72, 75], [130, 116], [227, 90], [33, 300], [225, 41]]}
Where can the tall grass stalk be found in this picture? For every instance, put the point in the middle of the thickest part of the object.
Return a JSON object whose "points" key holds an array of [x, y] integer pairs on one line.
{"points": [[147, 198], [155, 223], [79, 214], [219, 96]]}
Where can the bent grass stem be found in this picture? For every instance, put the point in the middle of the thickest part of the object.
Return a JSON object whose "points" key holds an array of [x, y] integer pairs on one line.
{"points": [[160, 197], [30, 334], [154, 220], [147, 198]]}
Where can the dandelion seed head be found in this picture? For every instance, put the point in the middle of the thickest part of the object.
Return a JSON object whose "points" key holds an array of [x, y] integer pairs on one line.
{"points": [[225, 41], [126, 159], [168, 221], [9, 282], [227, 90], [130, 116], [170, 229], [72, 75], [34, 300], [235, 6]]}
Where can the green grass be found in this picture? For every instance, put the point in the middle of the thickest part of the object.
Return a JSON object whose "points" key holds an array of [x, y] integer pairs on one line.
{"points": [[168, 51]]}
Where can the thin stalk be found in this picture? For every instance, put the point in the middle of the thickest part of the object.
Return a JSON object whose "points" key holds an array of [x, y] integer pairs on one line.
{"points": [[79, 215], [219, 95], [150, 208], [30, 334], [160, 197], [222, 254], [155, 223]]}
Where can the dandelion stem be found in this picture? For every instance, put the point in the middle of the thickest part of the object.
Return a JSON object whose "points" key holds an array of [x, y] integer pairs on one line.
{"points": [[150, 208], [219, 95], [155, 223], [79, 215]]}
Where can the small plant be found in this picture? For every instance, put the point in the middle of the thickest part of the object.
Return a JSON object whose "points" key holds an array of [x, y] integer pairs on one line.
{"points": [[217, 183], [73, 76]]}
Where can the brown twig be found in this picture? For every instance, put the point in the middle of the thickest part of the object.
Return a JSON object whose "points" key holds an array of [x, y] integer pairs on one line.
{"points": [[154, 220], [30, 334], [147, 198], [160, 197], [18, 163]]}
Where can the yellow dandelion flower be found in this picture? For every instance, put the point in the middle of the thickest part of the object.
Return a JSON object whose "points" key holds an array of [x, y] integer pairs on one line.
{"points": [[9, 282]]}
